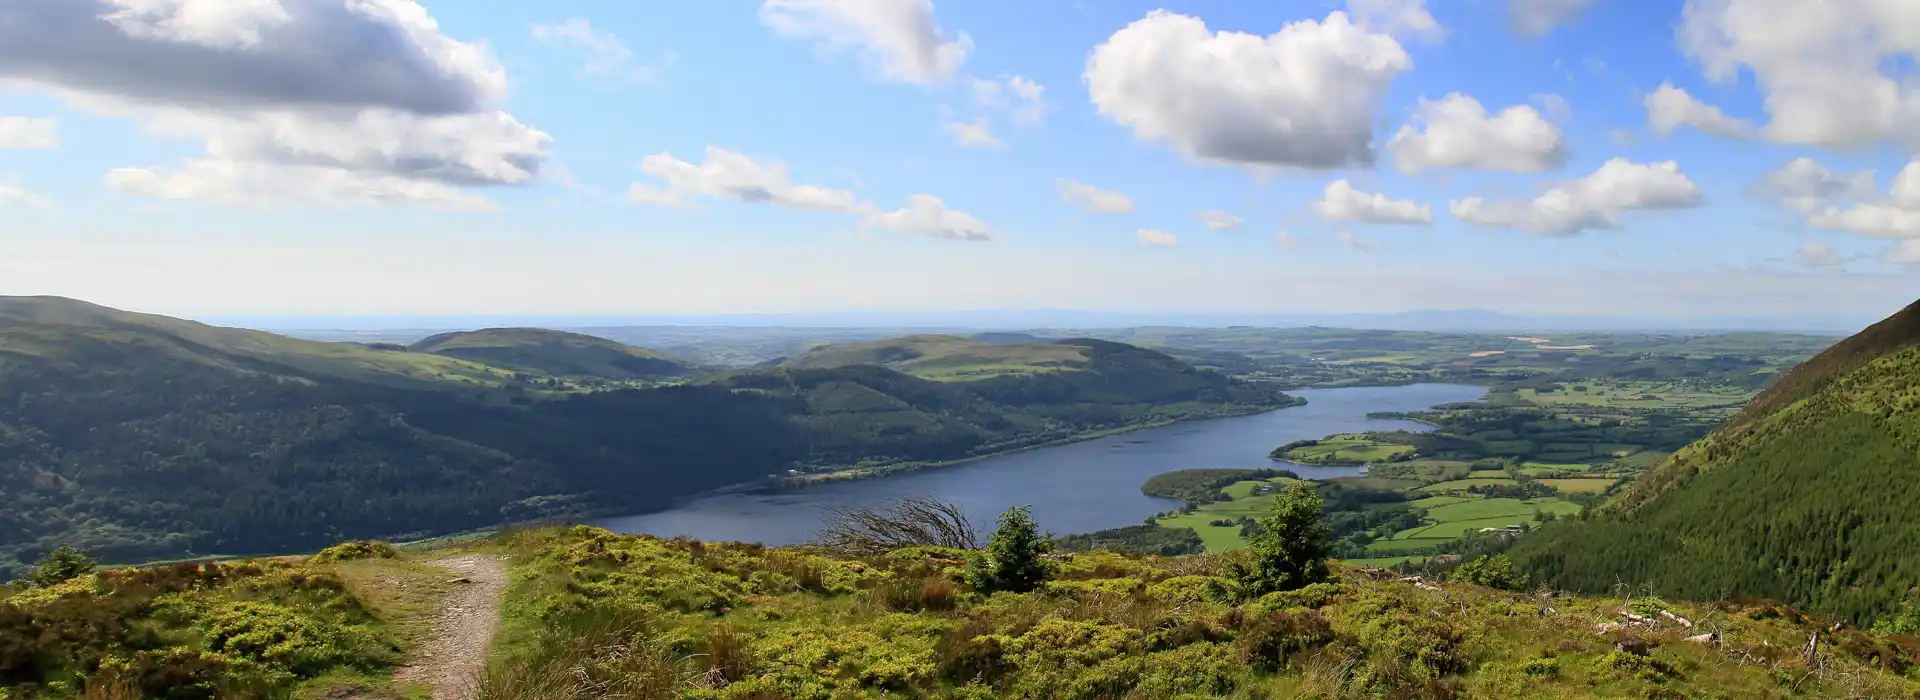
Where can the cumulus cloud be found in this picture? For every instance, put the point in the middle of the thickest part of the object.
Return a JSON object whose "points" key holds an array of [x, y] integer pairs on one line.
{"points": [[1817, 255], [1024, 98], [898, 38], [1669, 108], [1156, 238], [734, 176], [1408, 18], [1596, 201], [368, 89], [12, 194], [600, 52], [1218, 220], [926, 215], [1349, 240], [1809, 186], [1905, 252], [1457, 132], [256, 184], [1303, 97], [973, 134], [1344, 203], [25, 132], [1093, 198], [1287, 241], [1538, 17], [1830, 72]]}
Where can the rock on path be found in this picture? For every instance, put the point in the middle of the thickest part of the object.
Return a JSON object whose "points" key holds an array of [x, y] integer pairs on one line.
{"points": [[450, 661]]}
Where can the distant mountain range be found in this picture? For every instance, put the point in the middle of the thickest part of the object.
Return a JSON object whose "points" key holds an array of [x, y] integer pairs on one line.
{"points": [[1464, 320]]}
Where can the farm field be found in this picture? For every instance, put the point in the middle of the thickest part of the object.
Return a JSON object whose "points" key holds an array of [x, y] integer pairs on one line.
{"points": [[1346, 449]]}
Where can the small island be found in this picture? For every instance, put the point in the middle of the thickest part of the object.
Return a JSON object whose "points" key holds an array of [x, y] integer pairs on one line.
{"points": [[1345, 450]]}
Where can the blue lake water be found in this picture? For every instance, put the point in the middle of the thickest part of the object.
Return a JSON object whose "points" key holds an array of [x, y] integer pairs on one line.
{"points": [[1080, 487]]}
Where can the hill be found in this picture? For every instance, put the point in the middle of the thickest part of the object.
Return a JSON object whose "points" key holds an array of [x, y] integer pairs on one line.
{"points": [[589, 614], [143, 437], [73, 333], [554, 353], [946, 357], [1804, 496]]}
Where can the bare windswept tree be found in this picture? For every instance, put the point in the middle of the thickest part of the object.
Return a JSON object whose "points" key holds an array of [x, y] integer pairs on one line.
{"points": [[914, 521]]}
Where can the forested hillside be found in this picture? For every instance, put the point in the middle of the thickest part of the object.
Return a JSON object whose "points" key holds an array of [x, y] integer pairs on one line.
{"points": [[140, 436], [1806, 496]]}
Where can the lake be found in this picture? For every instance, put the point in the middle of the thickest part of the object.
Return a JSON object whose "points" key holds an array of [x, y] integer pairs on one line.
{"points": [[1079, 487]]}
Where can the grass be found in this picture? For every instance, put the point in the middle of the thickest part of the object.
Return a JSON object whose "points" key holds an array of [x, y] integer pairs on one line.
{"points": [[1347, 449], [1579, 485], [1464, 484], [948, 358]]}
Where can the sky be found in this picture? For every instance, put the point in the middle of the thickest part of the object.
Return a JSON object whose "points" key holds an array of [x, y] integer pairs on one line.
{"points": [[339, 157]]}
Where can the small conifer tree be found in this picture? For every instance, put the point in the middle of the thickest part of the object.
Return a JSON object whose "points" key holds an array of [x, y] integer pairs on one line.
{"points": [[1015, 559], [1290, 550], [61, 564]]}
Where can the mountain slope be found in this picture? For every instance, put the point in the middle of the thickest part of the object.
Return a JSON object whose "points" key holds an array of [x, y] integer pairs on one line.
{"points": [[555, 353], [946, 357], [1806, 496], [64, 330], [142, 437]]}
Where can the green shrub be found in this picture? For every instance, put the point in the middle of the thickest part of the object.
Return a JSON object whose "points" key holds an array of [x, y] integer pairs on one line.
{"points": [[1267, 641], [1495, 571], [356, 549]]}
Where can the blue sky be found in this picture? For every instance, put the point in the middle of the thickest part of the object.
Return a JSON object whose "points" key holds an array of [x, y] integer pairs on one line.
{"points": [[498, 173]]}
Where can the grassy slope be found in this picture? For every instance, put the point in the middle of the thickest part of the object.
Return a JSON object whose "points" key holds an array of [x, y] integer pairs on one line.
{"points": [[1805, 496], [732, 620], [946, 357], [52, 328], [556, 353]]}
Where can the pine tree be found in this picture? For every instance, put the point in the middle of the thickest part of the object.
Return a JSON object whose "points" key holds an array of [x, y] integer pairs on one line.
{"points": [[1015, 559], [1290, 550], [61, 564]]}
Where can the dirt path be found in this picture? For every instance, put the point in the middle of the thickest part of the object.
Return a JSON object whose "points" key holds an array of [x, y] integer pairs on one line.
{"points": [[451, 660]]}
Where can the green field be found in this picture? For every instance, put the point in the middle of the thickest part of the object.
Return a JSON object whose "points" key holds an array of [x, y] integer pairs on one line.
{"points": [[1347, 449], [1451, 520], [1461, 485], [1579, 485]]}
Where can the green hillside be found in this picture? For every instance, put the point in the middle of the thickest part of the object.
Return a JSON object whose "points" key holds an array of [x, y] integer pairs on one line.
{"points": [[554, 353], [74, 334], [143, 437], [1806, 496], [946, 357]]}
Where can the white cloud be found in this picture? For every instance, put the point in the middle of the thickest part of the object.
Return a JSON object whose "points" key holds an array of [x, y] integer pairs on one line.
{"points": [[258, 185], [1817, 255], [1344, 203], [1156, 238], [1595, 201], [1094, 198], [1809, 186], [898, 38], [1830, 72], [1538, 17], [926, 215], [730, 175], [369, 90], [1287, 241], [1905, 252], [1303, 97], [1847, 202], [1218, 220], [1669, 108], [1556, 107], [1459, 133], [974, 134], [25, 132], [1397, 17], [601, 52], [1031, 96], [13, 194], [1349, 240]]}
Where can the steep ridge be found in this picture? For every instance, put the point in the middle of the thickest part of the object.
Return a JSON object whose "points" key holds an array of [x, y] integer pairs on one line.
{"points": [[555, 353], [1806, 496]]}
